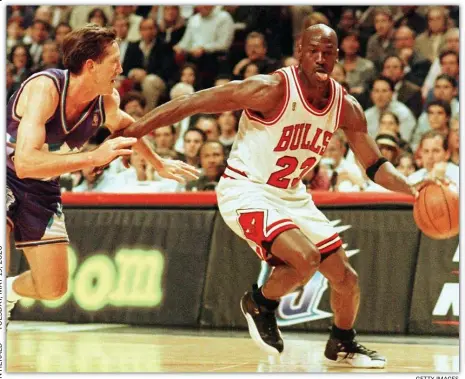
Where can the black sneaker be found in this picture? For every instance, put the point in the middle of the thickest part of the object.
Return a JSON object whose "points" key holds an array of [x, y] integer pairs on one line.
{"points": [[262, 325], [351, 353]]}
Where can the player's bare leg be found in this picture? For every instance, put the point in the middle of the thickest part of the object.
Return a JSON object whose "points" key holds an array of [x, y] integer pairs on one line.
{"points": [[47, 278], [342, 349], [301, 260]]}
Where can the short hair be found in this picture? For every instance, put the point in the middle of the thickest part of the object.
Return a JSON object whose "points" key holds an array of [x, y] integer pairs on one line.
{"points": [[447, 77], [44, 23], [402, 65], [383, 79], [430, 134], [350, 33], [197, 130], [440, 103], [394, 116], [257, 35], [448, 52], [383, 10], [148, 19], [211, 143], [131, 96], [88, 42]]}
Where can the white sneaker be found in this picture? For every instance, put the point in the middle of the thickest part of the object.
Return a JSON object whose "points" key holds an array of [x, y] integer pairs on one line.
{"points": [[9, 307], [352, 354]]}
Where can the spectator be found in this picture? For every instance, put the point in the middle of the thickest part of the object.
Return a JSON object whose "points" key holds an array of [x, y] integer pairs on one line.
{"points": [[44, 13], [317, 179], [406, 164], [149, 63], [133, 103], [97, 16], [255, 50], [129, 12], [452, 44], [404, 91], [50, 57], [189, 75], [11, 87], [449, 64], [430, 42], [213, 164], [121, 26], [80, 14], [15, 33], [408, 16], [164, 139], [193, 139], [61, 31], [209, 125], [454, 140], [445, 90], [381, 44], [181, 89], [347, 22], [209, 34], [227, 122], [25, 13], [360, 71], [416, 66], [22, 62], [389, 123], [344, 175], [339, 73], [434, 153], [381, 95], [60, 14], [40, 32], [172, 26], [388, 145]]}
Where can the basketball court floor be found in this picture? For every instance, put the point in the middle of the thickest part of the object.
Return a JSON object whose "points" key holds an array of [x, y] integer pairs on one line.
{"points": [[60, 347]]}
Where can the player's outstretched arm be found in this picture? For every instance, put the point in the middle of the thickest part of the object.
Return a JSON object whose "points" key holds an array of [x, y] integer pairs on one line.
{"points": [[118, 120], [366, 151], [260, 93], [31, 159]]}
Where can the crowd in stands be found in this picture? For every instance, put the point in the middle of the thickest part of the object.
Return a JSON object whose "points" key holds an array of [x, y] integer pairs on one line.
{"points": [[400, 62]]}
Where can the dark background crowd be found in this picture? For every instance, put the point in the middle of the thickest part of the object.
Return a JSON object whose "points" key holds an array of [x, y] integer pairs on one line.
{"points": [[400, 62]]}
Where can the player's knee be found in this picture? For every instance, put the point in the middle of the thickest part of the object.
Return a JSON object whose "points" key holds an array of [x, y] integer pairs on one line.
{"points": [[52, 290], [348, 284], [308, 265]]}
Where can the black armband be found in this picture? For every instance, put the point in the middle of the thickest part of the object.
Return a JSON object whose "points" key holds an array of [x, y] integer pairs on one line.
{"points": [[373, 169]]}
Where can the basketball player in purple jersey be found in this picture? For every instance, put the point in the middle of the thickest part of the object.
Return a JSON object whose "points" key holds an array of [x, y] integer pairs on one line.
{"points": [[49, 119]]}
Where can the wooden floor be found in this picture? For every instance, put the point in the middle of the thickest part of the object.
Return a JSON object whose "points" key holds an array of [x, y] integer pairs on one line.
{"points": [[56, 347]]}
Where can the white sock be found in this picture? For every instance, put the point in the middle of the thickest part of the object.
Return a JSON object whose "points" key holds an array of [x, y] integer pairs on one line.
{"points": [[11, 295]]}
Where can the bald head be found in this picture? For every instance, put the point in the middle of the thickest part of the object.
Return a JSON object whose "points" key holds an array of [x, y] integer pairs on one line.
{"points": [[319, 31]]}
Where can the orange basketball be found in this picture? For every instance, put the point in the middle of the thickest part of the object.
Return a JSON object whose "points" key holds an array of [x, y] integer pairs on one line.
{"points": [[436, 211]]}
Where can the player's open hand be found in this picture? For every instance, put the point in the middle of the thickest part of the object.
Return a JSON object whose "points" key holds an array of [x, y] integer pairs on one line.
{"points": [[111, 149], [178, 170]]}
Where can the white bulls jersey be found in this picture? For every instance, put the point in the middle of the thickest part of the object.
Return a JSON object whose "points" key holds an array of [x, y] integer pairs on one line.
{"points": [[280, 152]]}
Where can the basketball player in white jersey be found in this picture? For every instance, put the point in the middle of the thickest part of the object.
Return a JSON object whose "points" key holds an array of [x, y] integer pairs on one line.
{"points": [[287, 123]]}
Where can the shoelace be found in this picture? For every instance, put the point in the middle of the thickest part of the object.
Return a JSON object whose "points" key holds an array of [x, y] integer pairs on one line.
{"points": [[352, 347]]}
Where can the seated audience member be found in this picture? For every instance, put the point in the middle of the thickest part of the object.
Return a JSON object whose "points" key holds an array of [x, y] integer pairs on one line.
{"points": [[188, 75], [381, 44], [61, 31], [98, 17], [209, 125], [430, 42], [213, 164], [164, 139], [172, 26], [181, 89], [406, 164], [389, 122], [454, 140], [381, 94], [317, 179], [438, 116], [133, 103], [193, 139], [388, 145], [434, 155], [50, 57], [227, 122]]}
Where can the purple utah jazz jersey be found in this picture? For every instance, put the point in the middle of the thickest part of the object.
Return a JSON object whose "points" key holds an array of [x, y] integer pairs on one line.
{"points": [[61, 138]]}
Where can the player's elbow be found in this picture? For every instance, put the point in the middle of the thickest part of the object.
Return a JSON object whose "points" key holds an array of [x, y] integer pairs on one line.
{"points": [[22, 167]]}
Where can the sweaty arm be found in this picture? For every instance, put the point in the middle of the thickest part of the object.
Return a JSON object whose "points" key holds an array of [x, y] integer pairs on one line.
{"points": [[354, 125], [38, 101], [261, 93]]}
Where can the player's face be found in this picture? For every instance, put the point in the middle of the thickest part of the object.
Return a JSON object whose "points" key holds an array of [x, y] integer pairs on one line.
{"points": [[164, 138], [432, 152], [437, 117], [107, 70], [405, 166], [192, 143], [319, 55], [444, 90]]}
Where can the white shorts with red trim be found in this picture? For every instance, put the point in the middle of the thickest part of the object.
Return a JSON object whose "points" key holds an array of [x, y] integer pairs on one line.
{"points": [[259, 212]]}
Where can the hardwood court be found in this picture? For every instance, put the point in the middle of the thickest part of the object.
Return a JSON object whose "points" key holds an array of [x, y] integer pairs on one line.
{"points": [[56, 347]]}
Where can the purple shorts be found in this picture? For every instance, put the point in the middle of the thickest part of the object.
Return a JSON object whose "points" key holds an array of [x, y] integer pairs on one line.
{"points": [[34, 210]]}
